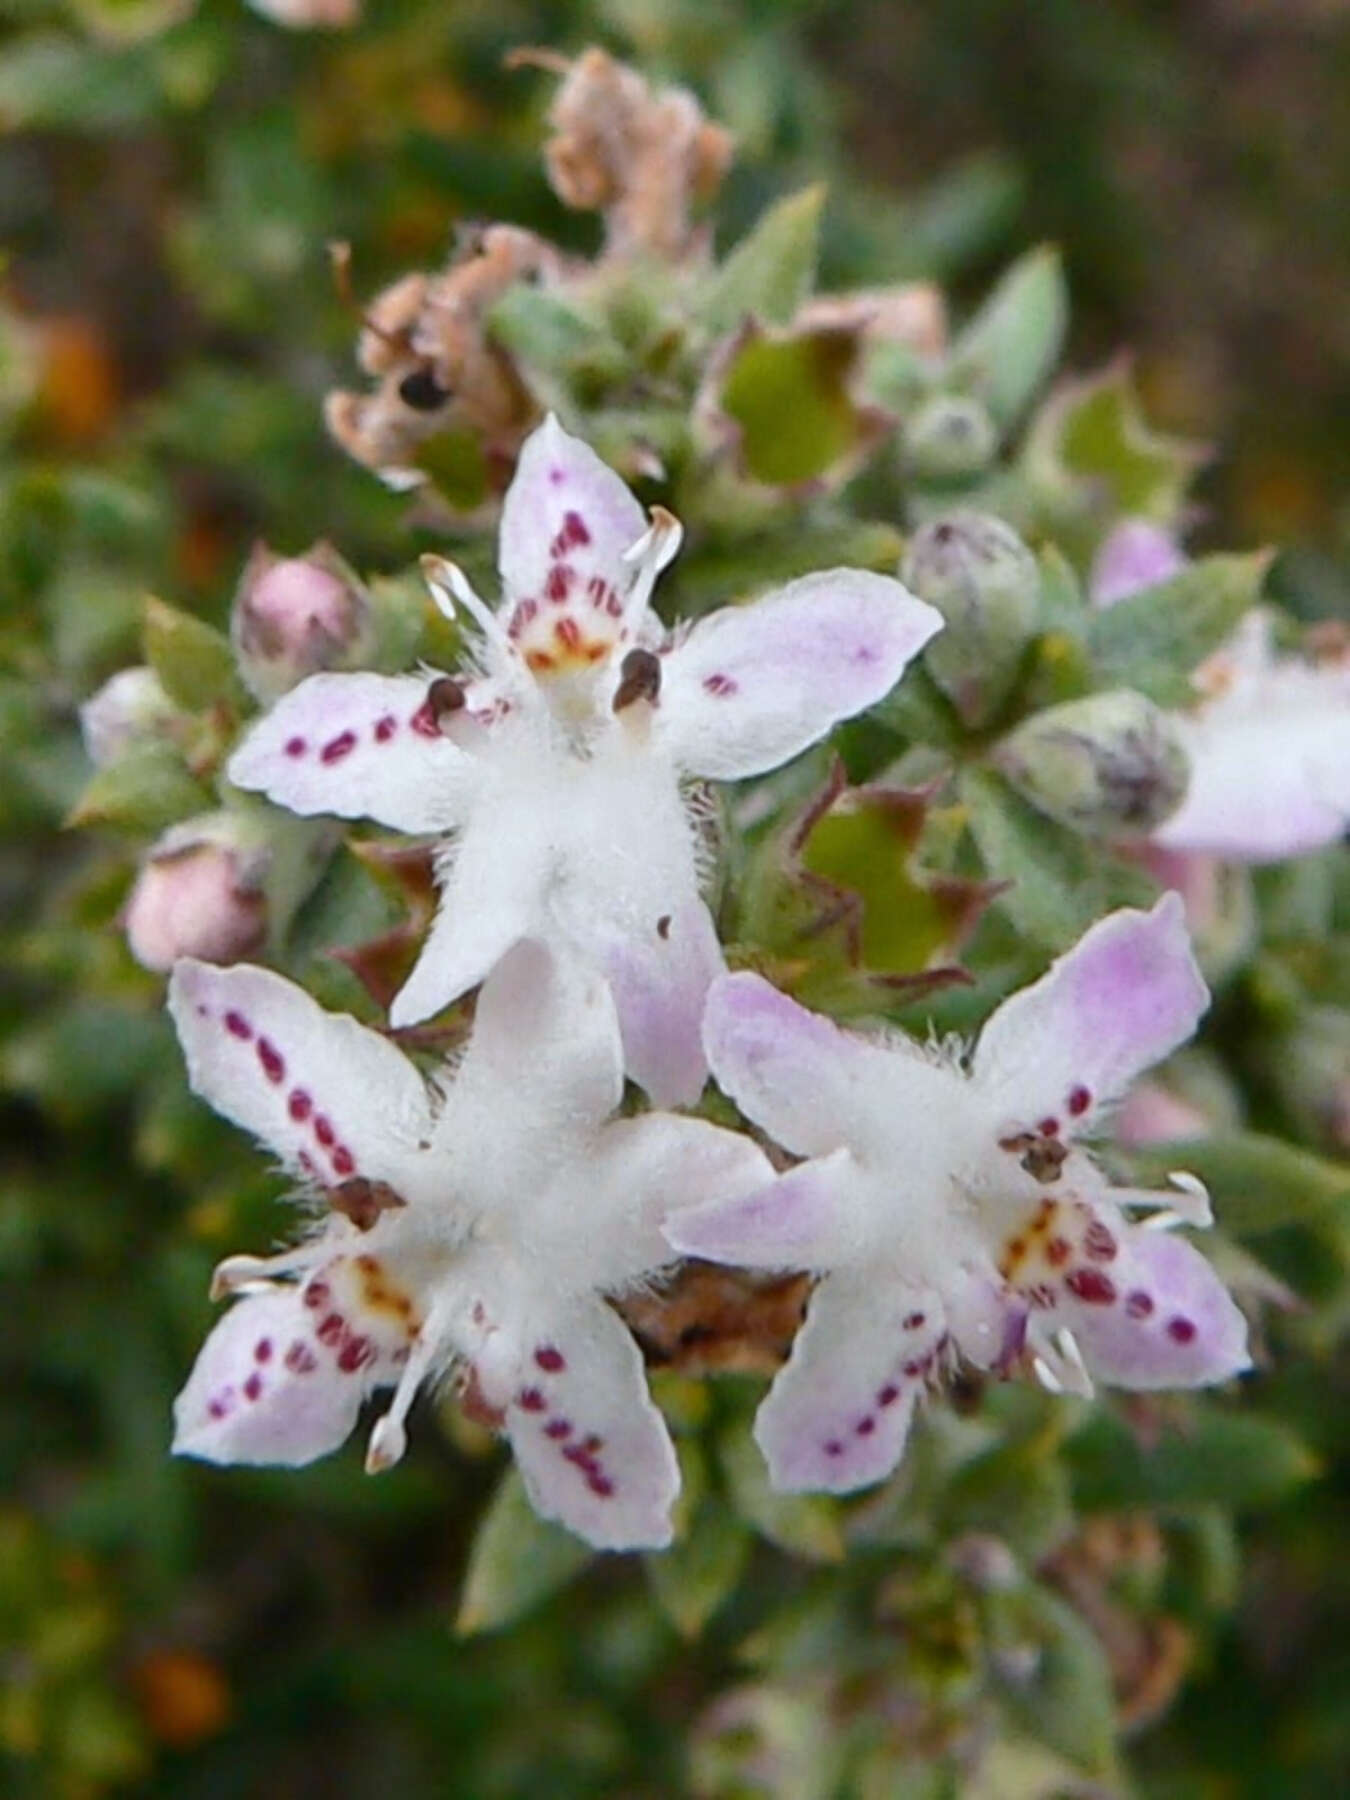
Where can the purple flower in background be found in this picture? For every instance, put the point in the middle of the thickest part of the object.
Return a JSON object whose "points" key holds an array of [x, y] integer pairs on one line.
{"points": [[557, 773], [948, 1206]]}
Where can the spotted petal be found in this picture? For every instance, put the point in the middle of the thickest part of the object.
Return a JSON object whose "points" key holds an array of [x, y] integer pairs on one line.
{"points": [[565, 509], [358, 747], [802, 1220], [282, 1376], [333, 1099], [592, 1448], [753, 685], [839, 1411], [1126, 995]]}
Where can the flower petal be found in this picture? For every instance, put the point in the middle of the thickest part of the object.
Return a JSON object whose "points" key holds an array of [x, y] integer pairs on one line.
{"points": [[332, 1099], [593, 1450], [1265, 783], [545, 1055], [839, 1411], [357, 746], [282, 1376], [801, 1220], [564, 508], [660, 973], [1156, 1315], [636, 1172], [1137, 554], [811, 1085], [753, 685], [490, 900], [1126, 995]]}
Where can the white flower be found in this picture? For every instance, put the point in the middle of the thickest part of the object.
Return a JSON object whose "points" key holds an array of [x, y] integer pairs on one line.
{"points": [[480, 1225], [557, 773], [948, 1209]]}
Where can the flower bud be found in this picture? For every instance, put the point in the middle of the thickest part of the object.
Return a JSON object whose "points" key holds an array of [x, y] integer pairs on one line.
{"points": [[1110, 763], [950, 438], [294, 616], [984, 581], [128, 709], [199, 893], [1137, 554]]}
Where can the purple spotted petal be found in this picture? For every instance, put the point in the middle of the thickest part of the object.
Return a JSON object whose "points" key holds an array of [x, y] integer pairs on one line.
{"points": [[799, 1221], [593, 1450], [358, 747], [753, 685], [564, 511], [839, 1411], [1126, 995], [660, 975], [331, 1098], [1157, 1316], [282, 1376]]}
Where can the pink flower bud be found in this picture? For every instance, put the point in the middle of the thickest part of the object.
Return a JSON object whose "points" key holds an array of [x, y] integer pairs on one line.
{"points": [[197, 895], [1135, 555], [294, 616]]}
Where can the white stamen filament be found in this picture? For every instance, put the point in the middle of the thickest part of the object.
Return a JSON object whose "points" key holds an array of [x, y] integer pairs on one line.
{"points": [[1060, 1367], [237, 1273], [657, 547], [389, 1439], [451, 590]]}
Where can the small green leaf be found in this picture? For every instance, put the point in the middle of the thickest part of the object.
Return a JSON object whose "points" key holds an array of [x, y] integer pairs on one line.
{"points": [[517, 1561], [1236, 1460], [1048, 867], [791, 400], [1017, 1492], [1067, 1701], [769, 273], [1151, 640], [805, 1525], [701, 1569], [193, 660], [1257, 1183], [544, 332], [142, 792], [1008, 350]]}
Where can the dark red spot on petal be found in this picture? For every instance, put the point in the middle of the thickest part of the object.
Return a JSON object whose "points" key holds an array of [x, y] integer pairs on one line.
{"points": [[574, 531], [425, 722], [323, 1130], [216, 1408], [1138, 1304], [273, 1064], [834, 1448], [238, 1026], [253, 1387], [568, 634], [317, 1294], [300, 1359], [1181, 1331], [888, 1395], [332, 1329], [344, 1163], [720, 685], [865, 1427], [914, 1368], [1048, 1128], [913, 1321], [558, 1428], [558, 582], [1099, 1243], [1058, 1251], [600, 1484], [385, 728], [531, 1400], [354, 1354], [299, 1106], [1091, 1286], [336, 748], [1079, 1101], [262, 1350], [549, 1359], [295, 746]]}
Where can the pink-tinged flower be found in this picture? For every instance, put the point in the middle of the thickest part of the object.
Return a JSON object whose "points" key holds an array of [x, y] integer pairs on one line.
{"points": [[296, 615], [558, 773], [199, 893], [478, 1224], [949, 1206], [1269, 749], [1137, 554]]}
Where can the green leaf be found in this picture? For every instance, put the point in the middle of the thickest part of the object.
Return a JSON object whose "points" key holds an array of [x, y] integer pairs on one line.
{"points": [[544, 332], [1236, 1460], [791, 400], [1018, 1492], [805, 1525], [701, 1569], [142, 792], [517, 1561], [1258, 1183], [770, 273], [1151, 640], [193, 660], [1008, 350], [1049, 899], [1068, 1701]]}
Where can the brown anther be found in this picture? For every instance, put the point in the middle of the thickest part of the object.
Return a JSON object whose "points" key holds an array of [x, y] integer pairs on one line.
{"points": [[363, 1201], [445, 697], [1044, 1159], [639, 679]]}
